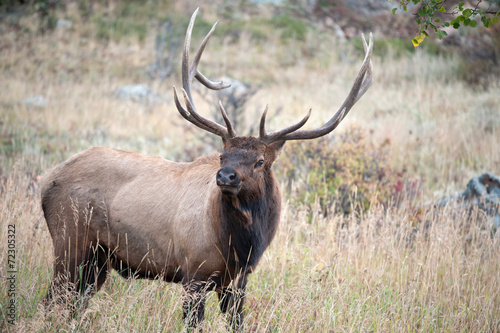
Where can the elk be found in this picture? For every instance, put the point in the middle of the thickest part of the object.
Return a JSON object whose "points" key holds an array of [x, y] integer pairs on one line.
{"points": [[203, 224]]}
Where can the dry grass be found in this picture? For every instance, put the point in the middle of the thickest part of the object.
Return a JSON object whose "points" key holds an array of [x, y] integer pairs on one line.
{"points": [[378, 272], [392, 270]]}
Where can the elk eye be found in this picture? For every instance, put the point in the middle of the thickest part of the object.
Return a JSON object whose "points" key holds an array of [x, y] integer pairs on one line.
{"points": [[259, 163], [221, 159]]}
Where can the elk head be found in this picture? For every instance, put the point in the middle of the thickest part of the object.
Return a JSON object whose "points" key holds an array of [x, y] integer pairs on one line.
{"points": [[245, 160]]}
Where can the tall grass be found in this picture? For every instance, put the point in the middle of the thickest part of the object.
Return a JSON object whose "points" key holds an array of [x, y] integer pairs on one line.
{"points": [[402, 269], [381, 271]]}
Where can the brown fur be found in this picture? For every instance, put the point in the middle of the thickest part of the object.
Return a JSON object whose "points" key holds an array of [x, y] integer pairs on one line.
{"points": [[149, 217]]}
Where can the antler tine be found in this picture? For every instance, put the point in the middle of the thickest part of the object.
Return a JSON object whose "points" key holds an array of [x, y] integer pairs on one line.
{"points": [[361, 84], [188, 73], [186, 115], [262, 127], [230, 129], [368, 79], [276, 135], [208, 125], [194, 67], [211, 84]]}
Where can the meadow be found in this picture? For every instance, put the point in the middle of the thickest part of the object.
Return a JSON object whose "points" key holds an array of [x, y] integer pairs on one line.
{"points": [[406, 267]]}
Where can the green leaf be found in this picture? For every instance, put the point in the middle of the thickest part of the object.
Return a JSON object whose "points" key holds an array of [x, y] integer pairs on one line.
{"points": [[441, 34], [467, 22], [455, 23], [437, 20], [473, 23], [394, 11], [467, 12], [421, 12], [495, 19], [418, 39], [442, 9], [461, 6]]}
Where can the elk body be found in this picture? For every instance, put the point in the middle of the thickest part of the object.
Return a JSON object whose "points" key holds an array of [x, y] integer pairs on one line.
{"points": [[203, 224]]}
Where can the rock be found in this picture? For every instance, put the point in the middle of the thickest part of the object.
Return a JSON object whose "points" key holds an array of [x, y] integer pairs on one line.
{"points": [[64, 24], [274, 2], [36, 101], [138, 93], [482, 192], [370, 8]]}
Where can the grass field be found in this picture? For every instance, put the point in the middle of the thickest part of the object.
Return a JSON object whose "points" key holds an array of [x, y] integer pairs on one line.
{"points": [[408, 268]]}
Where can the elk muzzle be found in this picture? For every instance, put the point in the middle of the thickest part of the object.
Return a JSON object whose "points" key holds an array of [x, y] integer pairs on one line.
{"points": [[228, 180]]}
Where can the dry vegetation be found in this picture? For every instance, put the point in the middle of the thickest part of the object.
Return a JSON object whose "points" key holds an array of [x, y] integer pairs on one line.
{"points": [[404, 268]]}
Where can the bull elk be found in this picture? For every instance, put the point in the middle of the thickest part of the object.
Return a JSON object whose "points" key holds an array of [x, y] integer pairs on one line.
{"points": [[204, 224]]}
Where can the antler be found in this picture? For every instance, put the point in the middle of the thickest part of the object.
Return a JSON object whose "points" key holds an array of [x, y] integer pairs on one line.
{"points": [[188, 73], [361, 84]]}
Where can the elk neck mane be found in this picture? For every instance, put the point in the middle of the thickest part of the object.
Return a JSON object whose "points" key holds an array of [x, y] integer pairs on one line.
{"points": [[246, 227]]}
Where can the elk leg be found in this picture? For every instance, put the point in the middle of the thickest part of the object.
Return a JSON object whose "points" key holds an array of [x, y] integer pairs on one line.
{"points": [[93, 272], [64, 282], [231, 301], [83, 274], [193, 307]]}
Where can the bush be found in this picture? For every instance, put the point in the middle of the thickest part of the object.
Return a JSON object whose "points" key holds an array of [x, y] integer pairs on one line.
{"points": [[291, 28], [341, 173]]}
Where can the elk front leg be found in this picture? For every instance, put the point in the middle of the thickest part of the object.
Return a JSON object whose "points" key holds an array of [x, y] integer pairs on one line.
{"points": [[231, 301], [193, 307]]}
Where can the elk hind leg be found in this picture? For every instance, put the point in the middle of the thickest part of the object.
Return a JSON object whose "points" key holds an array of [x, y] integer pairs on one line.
{"points": [[77, 278]]}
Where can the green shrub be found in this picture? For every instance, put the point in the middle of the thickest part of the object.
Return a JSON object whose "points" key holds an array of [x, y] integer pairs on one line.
{"points": [[118, 28], [287, 27], [291, 28], [11, 142], [342, 173]]}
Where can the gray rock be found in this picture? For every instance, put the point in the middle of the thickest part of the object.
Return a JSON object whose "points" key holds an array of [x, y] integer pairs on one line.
{"points": [[482, 192], [370, 8], [64, 24], [36, 101], [275, 2], [138, 93]]}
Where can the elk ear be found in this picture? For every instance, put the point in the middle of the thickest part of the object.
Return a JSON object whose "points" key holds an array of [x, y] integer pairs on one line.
{"points": [[273, 150]]}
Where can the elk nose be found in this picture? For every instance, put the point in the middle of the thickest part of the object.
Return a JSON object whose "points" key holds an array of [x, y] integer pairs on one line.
{"points": [[227, 176]]}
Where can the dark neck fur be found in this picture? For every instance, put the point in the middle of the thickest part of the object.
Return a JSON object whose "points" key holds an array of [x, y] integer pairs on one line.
{"points": [[246, 231]]}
